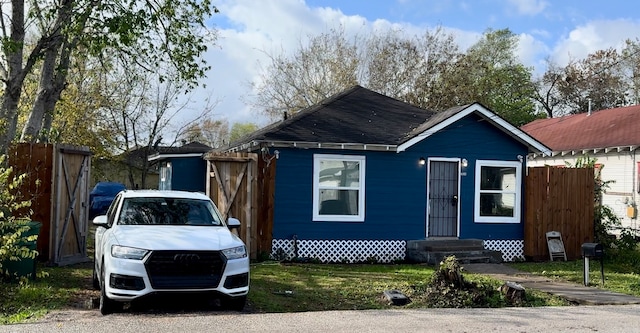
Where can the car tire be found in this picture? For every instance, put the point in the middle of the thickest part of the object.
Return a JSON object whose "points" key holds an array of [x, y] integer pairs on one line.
{"points": [[107, 305], [95, 281], [94, 278], [236, 303]]}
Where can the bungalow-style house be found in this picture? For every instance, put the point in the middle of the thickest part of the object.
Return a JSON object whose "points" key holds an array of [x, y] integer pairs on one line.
{"points": [[178, 165], [611, 136], [360, 174]]}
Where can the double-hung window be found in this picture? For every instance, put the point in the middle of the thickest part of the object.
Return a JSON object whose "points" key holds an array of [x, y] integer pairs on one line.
{"points": [[498, 192], [338, 188]]}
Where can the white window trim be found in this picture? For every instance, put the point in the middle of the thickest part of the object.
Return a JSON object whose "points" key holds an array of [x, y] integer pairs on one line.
{"points": [[518, 192], [316, 188]]}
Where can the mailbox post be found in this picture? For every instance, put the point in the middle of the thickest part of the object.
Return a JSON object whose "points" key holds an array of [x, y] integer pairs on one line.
{"points": [[596, 251]]}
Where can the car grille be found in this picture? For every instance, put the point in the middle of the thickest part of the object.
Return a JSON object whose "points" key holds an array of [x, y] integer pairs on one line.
{"points": [[185, 269]]}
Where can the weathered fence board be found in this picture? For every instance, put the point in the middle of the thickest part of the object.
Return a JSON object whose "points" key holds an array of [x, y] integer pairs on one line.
{"points": [[232, 185], [558, 199], [57, 184]]}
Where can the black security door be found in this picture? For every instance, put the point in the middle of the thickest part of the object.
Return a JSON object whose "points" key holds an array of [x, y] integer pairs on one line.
{"points": [[443, 198]]}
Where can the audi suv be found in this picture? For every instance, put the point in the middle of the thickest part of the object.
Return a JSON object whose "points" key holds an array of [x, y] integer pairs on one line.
{"points": [[163, 242]]}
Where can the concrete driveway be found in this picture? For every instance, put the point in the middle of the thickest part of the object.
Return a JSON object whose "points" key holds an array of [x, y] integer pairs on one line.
{"points": [[608, 318]]}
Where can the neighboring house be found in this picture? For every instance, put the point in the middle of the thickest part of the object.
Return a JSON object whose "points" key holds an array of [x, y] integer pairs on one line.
{"points": [[181, 168], [611, 136], [360, 174]]}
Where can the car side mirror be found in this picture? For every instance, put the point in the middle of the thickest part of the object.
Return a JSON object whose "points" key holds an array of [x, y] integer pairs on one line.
{"points": [[101, 221], [233, 223]]}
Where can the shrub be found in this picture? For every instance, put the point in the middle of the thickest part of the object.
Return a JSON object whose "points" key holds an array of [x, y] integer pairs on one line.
{"points": [[13, 219]]}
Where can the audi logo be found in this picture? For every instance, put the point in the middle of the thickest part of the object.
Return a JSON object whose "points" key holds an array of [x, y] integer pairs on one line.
{"points": [[186, 258]]}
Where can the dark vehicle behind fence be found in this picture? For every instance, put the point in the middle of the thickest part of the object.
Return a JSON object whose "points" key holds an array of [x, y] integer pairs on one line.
{"points": [[101, 197]]}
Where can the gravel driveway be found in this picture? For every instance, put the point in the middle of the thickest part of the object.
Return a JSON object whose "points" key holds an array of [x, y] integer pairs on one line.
{"points": [[621, 318]]}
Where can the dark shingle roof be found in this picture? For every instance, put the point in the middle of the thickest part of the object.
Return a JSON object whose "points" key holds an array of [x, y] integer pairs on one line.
{"points": [[602, 129], [192, 147], [357, 115]]}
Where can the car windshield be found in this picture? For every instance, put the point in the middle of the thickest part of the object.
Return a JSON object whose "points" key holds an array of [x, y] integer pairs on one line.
{"points": [[168, 211]]}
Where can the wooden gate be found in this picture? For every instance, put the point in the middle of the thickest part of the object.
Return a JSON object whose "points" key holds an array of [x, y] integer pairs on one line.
{"points": [[558, 199], [238, 189], [57, 184]]}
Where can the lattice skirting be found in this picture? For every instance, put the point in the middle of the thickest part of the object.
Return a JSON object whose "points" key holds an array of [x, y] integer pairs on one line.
{"points": [[512, 249], [383, 251], [343, 251]]}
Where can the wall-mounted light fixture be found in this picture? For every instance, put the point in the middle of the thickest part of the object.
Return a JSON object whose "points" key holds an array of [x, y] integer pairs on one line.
{"points": [[520, 158], [464, 162], [266, 155], [422, 161]]}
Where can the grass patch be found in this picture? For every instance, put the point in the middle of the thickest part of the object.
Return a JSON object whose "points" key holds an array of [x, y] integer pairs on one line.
{"points": [[279, 287], [275, 287], [621, 272], [58, 288]]}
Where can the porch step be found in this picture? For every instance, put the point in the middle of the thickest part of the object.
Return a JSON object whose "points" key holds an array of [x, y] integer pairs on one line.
{"points": [[466, 251]]}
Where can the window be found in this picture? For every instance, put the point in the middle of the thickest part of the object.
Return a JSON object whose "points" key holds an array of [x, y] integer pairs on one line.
{"points": [[168, 211], [338, 188], [497, 197]]}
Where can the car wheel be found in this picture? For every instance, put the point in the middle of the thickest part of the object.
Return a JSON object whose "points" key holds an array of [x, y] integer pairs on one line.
{"points": [[107, 305], [236, 303], [95, 281]]}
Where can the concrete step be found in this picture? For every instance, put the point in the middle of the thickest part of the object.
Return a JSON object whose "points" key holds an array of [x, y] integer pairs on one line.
{"points": [[466, 251], [446, 244]]}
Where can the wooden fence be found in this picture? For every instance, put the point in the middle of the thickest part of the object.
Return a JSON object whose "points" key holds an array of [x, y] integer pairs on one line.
{"points": [[558, 199], [57, 183], [241, 185]]}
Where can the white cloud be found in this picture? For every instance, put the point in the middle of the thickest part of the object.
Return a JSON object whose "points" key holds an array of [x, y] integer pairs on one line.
{"points": [[593, 36], [532, 52], [251, 29], [529, 7]]}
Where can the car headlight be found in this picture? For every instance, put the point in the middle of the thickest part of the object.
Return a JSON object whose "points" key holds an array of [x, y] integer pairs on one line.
{"points": [[124, 252], [235, 252]]}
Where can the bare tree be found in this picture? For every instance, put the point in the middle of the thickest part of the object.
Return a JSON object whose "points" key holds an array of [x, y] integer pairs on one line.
{"points": [[411, 69], [547, 92], [144, 111], [427, 71], [213, 133], [43, 36], [630, 61], [327, 65]]}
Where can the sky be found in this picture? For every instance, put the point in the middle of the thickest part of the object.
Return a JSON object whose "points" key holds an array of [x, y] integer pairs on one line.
{"points": [[249, 30]]}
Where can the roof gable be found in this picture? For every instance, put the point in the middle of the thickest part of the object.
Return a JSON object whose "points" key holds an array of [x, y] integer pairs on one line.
{"points": [[610, 128], [359, 118], [452, 115]]}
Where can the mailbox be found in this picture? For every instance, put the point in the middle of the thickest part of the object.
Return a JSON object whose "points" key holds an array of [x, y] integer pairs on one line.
{"points": [[596, 251], [592, 250]]}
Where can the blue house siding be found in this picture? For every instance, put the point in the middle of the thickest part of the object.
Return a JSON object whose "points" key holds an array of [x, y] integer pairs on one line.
{"points": [[394, 205], [188, 174], [472, 138], [395, 188]]}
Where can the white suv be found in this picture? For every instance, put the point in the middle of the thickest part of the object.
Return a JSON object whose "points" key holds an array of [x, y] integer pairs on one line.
{"points": [[153, 242]]}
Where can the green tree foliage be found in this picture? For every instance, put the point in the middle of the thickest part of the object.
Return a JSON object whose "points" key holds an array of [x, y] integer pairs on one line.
{"points": [[238, 130], [490, 73], [428, 71], [165, 33], [13, 220], [604, 79]]}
